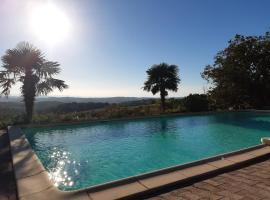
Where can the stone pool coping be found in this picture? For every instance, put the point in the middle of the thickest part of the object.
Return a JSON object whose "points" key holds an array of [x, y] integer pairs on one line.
{"points": [[33, 180]]}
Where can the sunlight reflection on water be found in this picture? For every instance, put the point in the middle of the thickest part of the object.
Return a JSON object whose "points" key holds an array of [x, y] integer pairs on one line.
{"points": [[59, 173]]}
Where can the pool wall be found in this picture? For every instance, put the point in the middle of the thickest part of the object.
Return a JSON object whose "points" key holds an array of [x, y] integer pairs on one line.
{"points": [[33, 180]]}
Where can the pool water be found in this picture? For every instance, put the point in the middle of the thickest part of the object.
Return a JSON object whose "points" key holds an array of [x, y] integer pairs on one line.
{"points": [[79, 156]]}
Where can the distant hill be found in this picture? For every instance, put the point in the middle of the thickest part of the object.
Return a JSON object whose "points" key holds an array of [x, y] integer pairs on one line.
{"points": [[18, 107], [66, 104], [109, 100], [11, 107], [10, 99]]}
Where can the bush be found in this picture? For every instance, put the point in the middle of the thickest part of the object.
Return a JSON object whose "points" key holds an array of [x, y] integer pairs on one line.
{"points": [[196, 103]]}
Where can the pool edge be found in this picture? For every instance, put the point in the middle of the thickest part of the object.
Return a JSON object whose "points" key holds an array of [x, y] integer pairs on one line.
{"points": [[180, 114], [33, 181]]}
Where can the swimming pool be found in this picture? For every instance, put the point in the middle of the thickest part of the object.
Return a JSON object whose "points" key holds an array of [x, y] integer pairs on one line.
{"points": [[79, 156]]}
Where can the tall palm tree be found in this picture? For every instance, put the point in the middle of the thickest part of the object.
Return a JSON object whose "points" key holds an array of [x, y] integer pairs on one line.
{"points": [[161, 78], [27, 64]]}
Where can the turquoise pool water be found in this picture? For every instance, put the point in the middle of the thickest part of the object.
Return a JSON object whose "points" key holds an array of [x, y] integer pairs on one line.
{"points": [[80, 156]]}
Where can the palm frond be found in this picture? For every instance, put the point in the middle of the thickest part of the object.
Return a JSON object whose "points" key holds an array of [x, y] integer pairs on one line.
{"points": [[162, 76], [6, 83], [48, 69], [47, 86]]}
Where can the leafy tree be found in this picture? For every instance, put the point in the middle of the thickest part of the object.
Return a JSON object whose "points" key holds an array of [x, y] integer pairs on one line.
{"points": [[240, 75], [27, 64], [161, 78], [196, 102]]}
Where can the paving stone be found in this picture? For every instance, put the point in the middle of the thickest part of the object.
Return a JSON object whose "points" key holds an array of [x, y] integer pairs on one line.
{"points": [[240, 158], [197, 170], [221, 163], [248, 195], [55, 194], [163, 179], [118, 192], [33, 184], [206, 186], [261, 151], [29, 168], [230, 194], [212, 182]]}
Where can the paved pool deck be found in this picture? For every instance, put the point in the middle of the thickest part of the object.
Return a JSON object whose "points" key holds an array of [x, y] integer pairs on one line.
{"points": [[248, 183], [243, 174]]}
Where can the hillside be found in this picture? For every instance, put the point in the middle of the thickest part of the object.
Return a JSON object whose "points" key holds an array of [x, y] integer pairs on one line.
{"points": [[109, 100], [66, 104]]}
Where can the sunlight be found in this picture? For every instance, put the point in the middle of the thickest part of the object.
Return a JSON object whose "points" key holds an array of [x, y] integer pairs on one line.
{"points": [[49, 23], [58, 174]]}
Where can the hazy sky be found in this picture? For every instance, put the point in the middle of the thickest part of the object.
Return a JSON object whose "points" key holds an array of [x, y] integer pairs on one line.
{"points": [[110, 43]]}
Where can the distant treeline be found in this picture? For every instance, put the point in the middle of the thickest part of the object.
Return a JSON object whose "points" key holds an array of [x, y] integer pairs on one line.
{"points": [[50, 107], [78, 107], [138, 102], [51, 112]]}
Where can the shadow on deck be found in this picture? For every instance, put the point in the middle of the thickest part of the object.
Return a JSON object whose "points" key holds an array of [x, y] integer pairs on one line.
{"points": [[7, 182]]}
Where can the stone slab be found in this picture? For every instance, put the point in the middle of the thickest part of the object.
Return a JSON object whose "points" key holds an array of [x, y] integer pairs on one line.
{"points": [[33, 184], [28, 168], [197, 170], [163, 179], [260, 152], [118, 192], [241, 157], [221, 163], [55, 194]]}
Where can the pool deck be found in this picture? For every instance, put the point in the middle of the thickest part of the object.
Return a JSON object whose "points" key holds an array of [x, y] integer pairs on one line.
{"points": [[33, 181], [7, 181], [251, 182]]}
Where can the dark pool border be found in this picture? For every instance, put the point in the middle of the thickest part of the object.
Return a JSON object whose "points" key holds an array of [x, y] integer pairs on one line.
{"points": [[33, 180]]}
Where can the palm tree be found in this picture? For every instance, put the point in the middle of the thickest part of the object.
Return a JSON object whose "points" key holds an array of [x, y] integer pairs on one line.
{"points": [[161, 78], [27, 64]]}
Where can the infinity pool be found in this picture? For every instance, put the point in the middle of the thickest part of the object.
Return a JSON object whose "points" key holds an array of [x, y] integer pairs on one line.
{"points": [[79, 156]]}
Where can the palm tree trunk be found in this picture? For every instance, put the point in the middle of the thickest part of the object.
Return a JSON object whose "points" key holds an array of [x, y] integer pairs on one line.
{"points": [[162, 98], [29, 93]]}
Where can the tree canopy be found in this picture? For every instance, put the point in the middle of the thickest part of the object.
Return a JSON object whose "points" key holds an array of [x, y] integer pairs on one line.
{"points": [[196, 103], [161, 78], [240, 75]]}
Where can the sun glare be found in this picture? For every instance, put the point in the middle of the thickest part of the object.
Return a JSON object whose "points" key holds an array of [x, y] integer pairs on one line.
{"points": [[49, 23]]}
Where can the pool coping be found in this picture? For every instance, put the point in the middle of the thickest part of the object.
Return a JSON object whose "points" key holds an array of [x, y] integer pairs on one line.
{"points": [[33, 180]]}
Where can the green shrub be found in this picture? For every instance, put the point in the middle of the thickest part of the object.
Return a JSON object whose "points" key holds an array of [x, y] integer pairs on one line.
{"points": [[196, 103]]}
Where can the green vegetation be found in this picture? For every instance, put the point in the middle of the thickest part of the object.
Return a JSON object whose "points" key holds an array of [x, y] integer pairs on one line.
{"points": [[78, 107], [27, 64], [240, 75], [196, 103], [138, 108], [161, 78]]}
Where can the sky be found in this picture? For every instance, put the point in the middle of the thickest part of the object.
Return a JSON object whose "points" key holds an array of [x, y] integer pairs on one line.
{"points": [[105, 46]]}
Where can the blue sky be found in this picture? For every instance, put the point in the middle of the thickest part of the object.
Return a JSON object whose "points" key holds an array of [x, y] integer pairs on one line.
{"points": [[111, 43]]}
